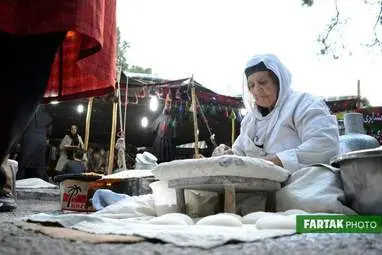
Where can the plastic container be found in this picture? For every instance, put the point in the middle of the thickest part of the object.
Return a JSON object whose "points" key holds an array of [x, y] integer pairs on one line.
{"points": [[164, 197], [353, 122]]}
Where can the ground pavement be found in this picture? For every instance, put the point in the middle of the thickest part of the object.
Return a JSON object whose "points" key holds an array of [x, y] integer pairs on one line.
{"points": [[14, 240]]}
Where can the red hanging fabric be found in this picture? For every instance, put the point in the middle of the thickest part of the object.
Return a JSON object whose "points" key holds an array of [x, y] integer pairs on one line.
{"points": [[87, 67]]}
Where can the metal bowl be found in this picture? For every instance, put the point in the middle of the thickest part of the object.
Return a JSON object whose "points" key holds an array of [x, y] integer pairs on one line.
{"points": [[361, 174]]}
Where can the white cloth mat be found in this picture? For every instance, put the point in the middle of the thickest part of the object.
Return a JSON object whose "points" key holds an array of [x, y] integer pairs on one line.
{"points": [[129, 174], [34, 183], [131, 217]]}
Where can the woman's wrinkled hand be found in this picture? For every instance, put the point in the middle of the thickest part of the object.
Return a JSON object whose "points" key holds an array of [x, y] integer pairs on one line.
{"points": [[222, 149], [274, 159]]}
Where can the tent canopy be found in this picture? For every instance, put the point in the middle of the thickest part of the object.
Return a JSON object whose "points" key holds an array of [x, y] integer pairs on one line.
{"points": [[218, 109]]}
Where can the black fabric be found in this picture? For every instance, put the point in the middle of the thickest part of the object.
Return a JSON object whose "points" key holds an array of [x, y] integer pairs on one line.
{"points": [[32, 158], [261, 67], [25, 66], [264, 111], [256, 68], [74, 167]]}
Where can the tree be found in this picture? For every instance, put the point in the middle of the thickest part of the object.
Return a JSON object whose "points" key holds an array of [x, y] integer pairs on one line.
{"points": [[122, 46], [138, 69], [328, 45]]}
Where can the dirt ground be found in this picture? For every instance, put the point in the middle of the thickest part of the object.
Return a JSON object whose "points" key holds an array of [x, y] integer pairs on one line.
{"points": [[18, 241]]}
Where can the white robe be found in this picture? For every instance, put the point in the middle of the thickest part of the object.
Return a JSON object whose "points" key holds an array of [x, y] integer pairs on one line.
{"points": [[303, 134], [300, 129]]}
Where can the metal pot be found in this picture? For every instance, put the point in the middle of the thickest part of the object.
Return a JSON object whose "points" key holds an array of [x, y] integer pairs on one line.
{"points": [[361, 174]]}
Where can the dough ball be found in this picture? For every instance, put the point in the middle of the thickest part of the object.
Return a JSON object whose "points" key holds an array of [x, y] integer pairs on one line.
{"points": [[293, 212], [233, 215], [172, 219], [277, 222], [220, 220], [252, 218]]}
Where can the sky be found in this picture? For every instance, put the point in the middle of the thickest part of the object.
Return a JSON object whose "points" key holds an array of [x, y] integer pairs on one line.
{"points": [[212, 40]]}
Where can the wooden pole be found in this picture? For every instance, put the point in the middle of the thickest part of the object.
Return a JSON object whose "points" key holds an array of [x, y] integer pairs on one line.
{"points": [[87, 124], [112, 139], [358, 94], [233, 131], [195, 117]]}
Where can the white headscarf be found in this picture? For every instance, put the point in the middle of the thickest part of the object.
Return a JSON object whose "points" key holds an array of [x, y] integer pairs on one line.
{"points": [[285, 78]]}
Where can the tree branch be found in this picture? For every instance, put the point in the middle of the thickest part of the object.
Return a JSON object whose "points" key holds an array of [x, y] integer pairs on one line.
{"points": [[376, 41], [323, 39], [324, 36]]}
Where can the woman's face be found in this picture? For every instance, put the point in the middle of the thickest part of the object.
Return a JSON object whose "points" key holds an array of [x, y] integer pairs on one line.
{"points": [[263, 88], [73, 129]]}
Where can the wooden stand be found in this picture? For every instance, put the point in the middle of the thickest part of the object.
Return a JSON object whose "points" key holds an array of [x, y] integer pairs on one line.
{"points": [[195, 118], [112, 139], [87, 124], [233, 131], [228, 186]]}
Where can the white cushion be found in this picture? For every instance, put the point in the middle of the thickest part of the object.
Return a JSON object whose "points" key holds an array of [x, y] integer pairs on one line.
{"points": [[230, 165]]}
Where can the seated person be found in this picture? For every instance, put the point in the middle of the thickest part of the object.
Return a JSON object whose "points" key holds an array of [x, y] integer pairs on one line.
{"points": [[96, 162], [290, 129], [293, 130], [76, 165]]}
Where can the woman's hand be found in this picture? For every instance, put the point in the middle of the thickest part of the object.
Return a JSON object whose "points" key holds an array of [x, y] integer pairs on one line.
{"points": [[222, 149], [274, 159]]}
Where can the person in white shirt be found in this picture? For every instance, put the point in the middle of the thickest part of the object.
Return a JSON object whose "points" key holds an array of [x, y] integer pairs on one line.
{"points": [[288, 128], [293, 130]]}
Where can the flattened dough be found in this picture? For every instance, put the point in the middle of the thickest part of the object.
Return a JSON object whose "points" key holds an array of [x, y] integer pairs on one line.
{"points": [[293, 212], [277, 222], [232, 214], [220, 220], [172, 219], [252, 218]]}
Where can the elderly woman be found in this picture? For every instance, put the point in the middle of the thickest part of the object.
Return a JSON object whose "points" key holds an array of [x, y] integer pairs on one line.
{"points": [[293, 130]]}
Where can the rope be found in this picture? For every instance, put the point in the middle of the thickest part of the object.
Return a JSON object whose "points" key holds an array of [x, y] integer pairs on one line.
{"points": [[120, 147], [126, 102], [212, 135]]}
